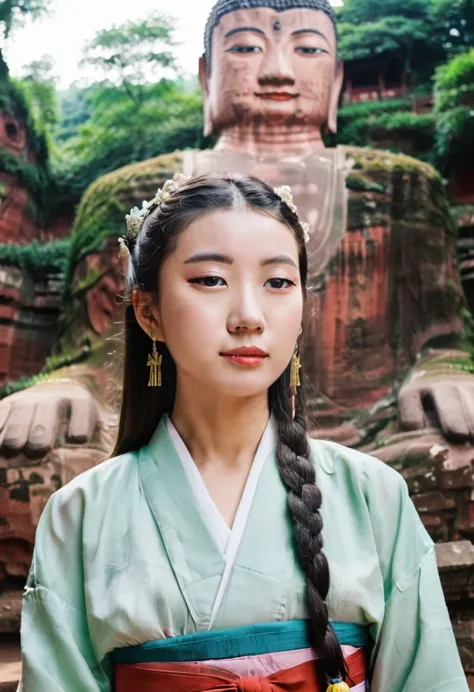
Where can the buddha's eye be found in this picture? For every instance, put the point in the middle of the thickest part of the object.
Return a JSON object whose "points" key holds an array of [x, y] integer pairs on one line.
{"points": [[244, 49], [310, 50]]}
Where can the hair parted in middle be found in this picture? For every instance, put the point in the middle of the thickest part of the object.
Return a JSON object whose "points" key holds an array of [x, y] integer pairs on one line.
{"points": [[142, 406]]}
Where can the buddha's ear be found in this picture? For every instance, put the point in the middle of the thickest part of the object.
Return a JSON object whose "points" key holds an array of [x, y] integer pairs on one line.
{"points": [[335, 96], [204, 81]]}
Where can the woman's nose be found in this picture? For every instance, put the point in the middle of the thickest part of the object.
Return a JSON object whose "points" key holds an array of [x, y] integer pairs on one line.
{"points": [[247, 316]]}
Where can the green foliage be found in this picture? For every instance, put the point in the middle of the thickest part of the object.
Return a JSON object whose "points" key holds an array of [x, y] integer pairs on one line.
{"points": [[423, 124], [34, 178], [19, 385], [372, 108], [454, 111], [129, 54], [75, 109], [40, 92], [119, 133], [362, 11], [422, 33], [355, 120], [14, 100], [386, 35], [454, 22], [37, 258], [14, 12], [454, 83], [127, 117]]}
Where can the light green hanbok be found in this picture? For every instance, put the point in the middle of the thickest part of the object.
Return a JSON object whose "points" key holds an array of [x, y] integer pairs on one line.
{"points": [[134, 550]]}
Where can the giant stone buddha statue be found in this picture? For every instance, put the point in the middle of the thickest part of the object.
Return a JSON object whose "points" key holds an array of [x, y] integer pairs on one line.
{"points": [[382, 345]]}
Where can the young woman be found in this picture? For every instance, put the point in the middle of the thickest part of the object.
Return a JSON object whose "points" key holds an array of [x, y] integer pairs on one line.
{"points": [[195, 559]]}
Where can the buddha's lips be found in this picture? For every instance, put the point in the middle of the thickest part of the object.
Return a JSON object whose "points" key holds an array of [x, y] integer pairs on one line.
{"points": [[276, 96]]}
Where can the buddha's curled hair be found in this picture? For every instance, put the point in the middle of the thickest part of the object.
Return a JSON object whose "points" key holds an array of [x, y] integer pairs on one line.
{"points": [[142, 406]]}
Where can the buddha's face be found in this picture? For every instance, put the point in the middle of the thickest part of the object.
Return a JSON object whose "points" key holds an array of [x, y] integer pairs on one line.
{"points": [[272, 66]]}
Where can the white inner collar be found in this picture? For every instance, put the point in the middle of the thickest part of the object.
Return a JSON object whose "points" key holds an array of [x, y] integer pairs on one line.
{"points": [[214, 519]]}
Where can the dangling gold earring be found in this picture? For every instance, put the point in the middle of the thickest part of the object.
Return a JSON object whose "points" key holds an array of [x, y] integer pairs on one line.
{"points": [[294, 379], [154, 363]]}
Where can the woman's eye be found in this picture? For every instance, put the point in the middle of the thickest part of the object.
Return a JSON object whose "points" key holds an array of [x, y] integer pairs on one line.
{"points": [[307, 50], [245, 49], [280, 283], [209, 281]]}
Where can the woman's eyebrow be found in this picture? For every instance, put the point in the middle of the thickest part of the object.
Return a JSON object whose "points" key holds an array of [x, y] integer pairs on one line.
{"points": [[279, 259], [225, 259], [209, 257]]}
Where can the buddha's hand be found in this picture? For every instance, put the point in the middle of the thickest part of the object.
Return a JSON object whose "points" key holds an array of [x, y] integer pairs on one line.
{"points": [[439, 392], [52, 414]]}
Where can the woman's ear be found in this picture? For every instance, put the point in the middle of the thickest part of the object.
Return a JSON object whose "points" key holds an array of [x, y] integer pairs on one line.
{"points": [[147, 314]]}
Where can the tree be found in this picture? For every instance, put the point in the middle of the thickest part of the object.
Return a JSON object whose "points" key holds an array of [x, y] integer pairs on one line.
{"points": [[40, 89], [14, 12], [127, 57], [454, 111], [12, 15], [131, 54], [367, 11], [422, 33], [133, 112], [454, 22], [117, 133]]}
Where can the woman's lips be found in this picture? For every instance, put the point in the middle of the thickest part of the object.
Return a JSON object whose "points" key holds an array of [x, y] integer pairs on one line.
{"points": [[248, 356], [276, 96]]}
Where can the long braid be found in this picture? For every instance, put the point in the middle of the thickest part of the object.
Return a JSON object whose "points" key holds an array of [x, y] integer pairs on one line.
{"points": [[304, 500]]}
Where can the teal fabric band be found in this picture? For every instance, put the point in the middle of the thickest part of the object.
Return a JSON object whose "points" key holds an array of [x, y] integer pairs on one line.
{"points": [[251, 640]]}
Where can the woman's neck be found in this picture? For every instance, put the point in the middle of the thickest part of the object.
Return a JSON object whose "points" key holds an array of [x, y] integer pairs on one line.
{"points": [[220, 433], [281, 141]]}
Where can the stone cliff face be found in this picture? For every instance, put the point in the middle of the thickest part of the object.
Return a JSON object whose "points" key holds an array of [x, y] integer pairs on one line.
{"points": [[389, 291], [29, 313], [31, 274], [19, 212]]}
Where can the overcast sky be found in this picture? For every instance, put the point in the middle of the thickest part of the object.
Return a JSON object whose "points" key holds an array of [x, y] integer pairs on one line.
{"points": [[73, 22]]}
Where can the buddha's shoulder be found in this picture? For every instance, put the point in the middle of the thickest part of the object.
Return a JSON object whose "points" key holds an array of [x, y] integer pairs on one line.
{"points": [[370, 159], [151, 172]]}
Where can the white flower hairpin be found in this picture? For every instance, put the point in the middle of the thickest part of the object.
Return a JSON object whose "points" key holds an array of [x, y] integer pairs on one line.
{"points": [[136, 217], [285, 193]]}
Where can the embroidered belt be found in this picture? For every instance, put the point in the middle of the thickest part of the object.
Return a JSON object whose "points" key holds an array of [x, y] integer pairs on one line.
{"points": [[197, 677]]}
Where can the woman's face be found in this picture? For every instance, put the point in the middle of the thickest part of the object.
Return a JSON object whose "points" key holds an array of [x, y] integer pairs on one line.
{"points": [[232, 282]]}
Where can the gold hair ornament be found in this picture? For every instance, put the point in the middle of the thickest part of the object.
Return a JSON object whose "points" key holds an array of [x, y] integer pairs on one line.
{"points": [[136, 217], [285, 193]]}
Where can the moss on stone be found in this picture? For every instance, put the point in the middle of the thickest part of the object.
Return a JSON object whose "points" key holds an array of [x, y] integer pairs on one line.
{"points": [[36, 258], [102, 210], [359, 183], [377, 159]]}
